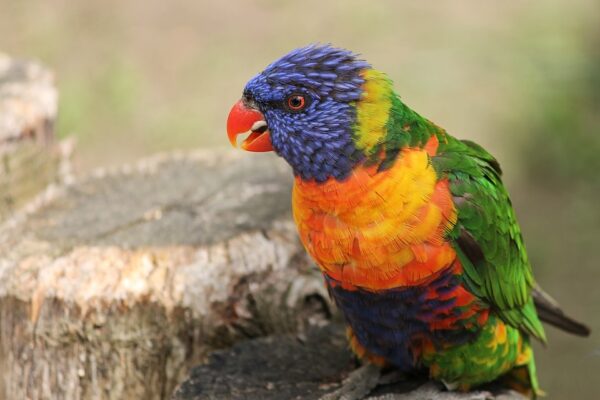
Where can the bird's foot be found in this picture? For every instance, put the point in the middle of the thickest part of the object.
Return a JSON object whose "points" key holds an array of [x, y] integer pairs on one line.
{"points": [[391, 377], [357, 385]]}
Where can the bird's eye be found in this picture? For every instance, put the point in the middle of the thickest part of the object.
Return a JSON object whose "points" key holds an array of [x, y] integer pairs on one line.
{"points": [[296, 102]]}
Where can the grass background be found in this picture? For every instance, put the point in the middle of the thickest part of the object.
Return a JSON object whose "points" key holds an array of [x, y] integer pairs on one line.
{"points": [[521, 78]]}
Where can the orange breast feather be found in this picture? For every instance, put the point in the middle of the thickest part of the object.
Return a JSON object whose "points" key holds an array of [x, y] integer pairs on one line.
{"points": [[378, 230]]}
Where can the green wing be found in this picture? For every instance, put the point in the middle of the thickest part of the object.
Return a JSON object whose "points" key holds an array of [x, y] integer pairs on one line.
{"points": [[486, 236]]}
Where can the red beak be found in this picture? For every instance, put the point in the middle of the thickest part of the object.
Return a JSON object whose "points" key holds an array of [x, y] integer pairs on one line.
{"points": [[245, 120]]}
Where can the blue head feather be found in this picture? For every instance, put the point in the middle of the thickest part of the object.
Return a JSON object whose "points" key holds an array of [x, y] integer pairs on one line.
{"points": [[316, 142]]}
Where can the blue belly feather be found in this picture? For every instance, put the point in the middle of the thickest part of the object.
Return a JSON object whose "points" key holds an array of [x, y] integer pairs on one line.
{"points": [[394, 323]]}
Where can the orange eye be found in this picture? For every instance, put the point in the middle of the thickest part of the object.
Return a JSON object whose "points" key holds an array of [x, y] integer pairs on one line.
{"points": [[296, 102]]}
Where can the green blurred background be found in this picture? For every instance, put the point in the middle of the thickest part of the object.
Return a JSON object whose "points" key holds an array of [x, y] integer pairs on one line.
{"points": [[522, 78]]}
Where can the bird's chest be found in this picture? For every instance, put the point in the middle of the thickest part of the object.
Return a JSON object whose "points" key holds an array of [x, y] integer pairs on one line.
{"points": [[377, 230]]}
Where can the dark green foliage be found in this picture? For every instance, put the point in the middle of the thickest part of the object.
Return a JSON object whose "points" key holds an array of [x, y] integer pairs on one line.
{"points": [[563, 133]]}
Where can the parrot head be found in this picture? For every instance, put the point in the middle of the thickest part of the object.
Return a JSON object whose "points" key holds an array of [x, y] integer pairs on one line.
{"points": [[305, 107]]}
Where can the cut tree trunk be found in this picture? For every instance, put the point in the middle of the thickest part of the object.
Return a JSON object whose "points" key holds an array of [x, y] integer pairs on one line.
{"points": [[29, 155], [114, 286]]}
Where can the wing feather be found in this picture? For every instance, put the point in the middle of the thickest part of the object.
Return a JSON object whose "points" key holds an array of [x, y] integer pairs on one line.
{"points": [[487, 237]]}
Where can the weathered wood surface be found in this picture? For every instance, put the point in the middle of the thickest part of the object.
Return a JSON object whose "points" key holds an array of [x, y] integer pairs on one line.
{"points": [[306, 367], [30, 157], [114, 286]]}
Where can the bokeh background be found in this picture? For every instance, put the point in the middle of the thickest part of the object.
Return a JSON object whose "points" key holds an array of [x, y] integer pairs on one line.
{"points": [[521, 78]]}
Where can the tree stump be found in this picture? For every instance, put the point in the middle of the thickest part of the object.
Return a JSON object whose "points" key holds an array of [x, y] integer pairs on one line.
{"points": [[30, 157], [114, 286]]}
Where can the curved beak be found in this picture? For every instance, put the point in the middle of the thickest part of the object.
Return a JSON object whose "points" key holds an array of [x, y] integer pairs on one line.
{"points": [[244, 120]]}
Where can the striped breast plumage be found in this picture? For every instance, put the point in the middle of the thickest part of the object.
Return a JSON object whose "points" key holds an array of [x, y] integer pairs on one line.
{"points": [[378, 237], [378, 229]]}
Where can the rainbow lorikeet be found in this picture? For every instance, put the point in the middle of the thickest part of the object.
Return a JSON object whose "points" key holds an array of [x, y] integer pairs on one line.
{"points": [[412, 228]]}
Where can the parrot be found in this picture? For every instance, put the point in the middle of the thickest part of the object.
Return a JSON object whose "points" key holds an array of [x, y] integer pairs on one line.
{"points": [[413, 229]]}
